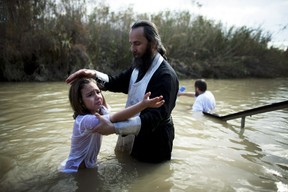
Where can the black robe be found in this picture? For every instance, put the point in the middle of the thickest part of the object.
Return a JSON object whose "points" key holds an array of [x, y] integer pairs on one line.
{"points": [[154, 142]]}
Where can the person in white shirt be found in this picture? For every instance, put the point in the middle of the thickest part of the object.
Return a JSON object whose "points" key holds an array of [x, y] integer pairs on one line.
{"points": [[205, 100], [88, 104]]}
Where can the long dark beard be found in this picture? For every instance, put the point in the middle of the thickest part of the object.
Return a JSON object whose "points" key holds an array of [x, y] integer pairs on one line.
{"points": [[143, 63]]}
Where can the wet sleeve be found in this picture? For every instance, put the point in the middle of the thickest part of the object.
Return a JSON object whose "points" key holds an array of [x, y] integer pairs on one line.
{"points": [[89, 122], [130, 127]]}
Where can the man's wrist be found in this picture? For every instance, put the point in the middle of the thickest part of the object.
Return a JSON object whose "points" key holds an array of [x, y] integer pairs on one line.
{"points": [[95, 74], [101, 79]]}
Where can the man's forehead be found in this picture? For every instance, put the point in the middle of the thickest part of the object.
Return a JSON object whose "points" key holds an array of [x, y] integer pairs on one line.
{"points": [[139, 29], [136, 34]]}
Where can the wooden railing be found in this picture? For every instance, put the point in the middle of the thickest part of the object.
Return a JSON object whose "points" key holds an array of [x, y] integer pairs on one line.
{"points": [[250, 112]]}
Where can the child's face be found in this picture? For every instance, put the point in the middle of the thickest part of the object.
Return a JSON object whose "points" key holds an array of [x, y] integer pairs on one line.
{"points": [[92, 97]]}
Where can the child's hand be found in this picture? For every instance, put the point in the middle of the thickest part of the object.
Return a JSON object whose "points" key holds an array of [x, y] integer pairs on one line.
{"points": [[154, 102], [104, 127]]}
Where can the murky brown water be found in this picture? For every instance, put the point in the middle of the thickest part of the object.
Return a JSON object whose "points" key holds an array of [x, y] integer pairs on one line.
{"points": [[208, 155]]}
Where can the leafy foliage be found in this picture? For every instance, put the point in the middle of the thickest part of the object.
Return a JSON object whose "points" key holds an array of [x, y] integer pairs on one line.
{"points": [[48, 40]]}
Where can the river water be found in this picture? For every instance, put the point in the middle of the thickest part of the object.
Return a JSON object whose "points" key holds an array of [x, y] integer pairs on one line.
{"points": [[208, 154]]}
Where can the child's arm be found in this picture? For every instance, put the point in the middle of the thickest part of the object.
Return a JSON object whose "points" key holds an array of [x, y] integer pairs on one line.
{"points": [[138, 107]]}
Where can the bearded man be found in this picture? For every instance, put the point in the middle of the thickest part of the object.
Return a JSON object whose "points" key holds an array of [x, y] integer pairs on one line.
{"points": [[149, 136]]}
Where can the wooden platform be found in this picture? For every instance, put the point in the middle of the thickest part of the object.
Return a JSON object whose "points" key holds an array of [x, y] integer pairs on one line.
{"points": [[250, 112]]}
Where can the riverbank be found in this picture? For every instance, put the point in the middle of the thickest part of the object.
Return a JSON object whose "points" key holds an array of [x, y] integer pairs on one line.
{"points": [[48, 47]]}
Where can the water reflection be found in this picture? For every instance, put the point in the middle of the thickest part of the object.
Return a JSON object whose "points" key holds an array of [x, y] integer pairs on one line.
{"points": [[113, 175], [208, 154]]}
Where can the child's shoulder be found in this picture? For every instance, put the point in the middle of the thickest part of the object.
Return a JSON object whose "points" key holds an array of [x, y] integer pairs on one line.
{"points": [[86, 116]]}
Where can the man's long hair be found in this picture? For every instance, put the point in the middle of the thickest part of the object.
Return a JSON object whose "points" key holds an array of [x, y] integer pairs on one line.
{"points": [[151, 34], [153, 38]]}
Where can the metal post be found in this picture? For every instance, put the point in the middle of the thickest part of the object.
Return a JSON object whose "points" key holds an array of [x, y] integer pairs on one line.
{"points": [[243, 121]]}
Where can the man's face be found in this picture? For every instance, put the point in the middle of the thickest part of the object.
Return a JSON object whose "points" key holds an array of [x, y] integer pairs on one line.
{"points": [[197, 91], [138, 42], [141, 49]]}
